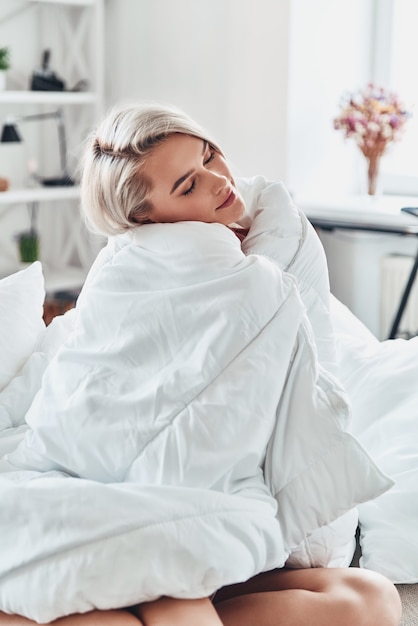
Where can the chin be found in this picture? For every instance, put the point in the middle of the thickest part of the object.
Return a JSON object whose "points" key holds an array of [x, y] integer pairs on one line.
{"points": [[240, 208]]}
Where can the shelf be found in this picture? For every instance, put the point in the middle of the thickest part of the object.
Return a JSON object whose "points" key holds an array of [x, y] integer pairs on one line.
{"points": [[48, 97], [71, 2], [39, 194]]}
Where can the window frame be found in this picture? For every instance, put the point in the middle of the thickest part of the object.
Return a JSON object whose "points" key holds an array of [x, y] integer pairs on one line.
{"points": [[382, 71]]}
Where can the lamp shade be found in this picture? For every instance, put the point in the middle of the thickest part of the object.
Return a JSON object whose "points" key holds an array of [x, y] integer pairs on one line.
{"points": [[9, 134]]}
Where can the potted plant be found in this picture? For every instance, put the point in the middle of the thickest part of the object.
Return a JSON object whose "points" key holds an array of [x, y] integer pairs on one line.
{"points": [[4, 65], [28, 247], [28, 241]]}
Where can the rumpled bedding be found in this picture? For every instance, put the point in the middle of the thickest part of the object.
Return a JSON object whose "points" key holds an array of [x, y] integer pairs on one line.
{"points": [[380, 378], [189, 432]]}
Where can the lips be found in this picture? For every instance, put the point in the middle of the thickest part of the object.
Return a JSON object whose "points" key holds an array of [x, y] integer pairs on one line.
{"points": [[228, 201]]}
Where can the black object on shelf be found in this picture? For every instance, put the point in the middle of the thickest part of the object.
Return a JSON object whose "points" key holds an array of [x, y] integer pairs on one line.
{"points": [[65, 181], [10, 134], [44, 79]]}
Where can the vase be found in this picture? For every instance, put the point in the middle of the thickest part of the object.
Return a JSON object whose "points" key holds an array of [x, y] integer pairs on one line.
{"points": [[373, 163]]}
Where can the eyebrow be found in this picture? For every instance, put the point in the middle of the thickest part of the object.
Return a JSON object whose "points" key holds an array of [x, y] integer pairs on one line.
{"points": [[187, 174]]}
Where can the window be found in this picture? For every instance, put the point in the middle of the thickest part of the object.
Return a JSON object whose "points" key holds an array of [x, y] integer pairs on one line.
{"points": [[395, 66]]}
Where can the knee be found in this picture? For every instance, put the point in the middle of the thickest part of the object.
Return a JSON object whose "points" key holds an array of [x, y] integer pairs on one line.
{"points": [[368, 598]]}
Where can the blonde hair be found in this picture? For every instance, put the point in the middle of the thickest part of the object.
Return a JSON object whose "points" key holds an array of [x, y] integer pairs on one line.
{"points": [[114, 191]]}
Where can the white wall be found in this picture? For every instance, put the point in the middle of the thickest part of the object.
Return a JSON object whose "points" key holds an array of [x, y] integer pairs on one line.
{"points": [[330, 53], [264, 76], [225, 62]]}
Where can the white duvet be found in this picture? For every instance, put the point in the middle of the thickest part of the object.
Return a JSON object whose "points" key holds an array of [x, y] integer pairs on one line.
{"points": [[189, 433]]}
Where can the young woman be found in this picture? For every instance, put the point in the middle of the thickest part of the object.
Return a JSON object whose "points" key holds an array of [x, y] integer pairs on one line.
{"points": [[151, 164]]}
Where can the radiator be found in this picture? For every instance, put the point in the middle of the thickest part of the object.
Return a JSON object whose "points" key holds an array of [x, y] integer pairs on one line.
{"points": [[395, 271]]}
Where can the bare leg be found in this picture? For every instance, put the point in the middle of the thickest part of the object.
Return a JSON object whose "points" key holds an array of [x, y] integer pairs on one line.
{"points": [[95, 618], [173, 612], [341, 597], [162, 612]]}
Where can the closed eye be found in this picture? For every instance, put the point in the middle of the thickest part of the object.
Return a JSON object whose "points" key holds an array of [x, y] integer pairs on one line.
{"points": [[210, 157], [207, 160], [190, 189]]}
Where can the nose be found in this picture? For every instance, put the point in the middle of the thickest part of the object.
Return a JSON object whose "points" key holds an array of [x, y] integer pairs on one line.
{"points": [[218, 182]]}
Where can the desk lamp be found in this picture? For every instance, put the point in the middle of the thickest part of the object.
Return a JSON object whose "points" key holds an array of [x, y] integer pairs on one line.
{"points": [[10, 135]]}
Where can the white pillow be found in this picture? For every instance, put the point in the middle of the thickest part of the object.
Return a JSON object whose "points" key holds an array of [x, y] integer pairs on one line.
{"points": [[21, 325], [18, 395]]}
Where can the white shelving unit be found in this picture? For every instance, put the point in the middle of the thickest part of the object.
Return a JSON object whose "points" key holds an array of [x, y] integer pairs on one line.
{"points": [[74, 32]]}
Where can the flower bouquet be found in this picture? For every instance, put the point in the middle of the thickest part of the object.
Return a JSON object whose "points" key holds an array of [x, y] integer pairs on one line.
{"points": [[372, 117]]}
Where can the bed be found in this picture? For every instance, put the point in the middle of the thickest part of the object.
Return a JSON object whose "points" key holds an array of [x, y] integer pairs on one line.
{"points": [[379, 386]]}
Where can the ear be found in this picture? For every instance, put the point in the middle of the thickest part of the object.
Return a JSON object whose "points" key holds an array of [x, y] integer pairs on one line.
{"points": [[142, 215], [141, 219]]}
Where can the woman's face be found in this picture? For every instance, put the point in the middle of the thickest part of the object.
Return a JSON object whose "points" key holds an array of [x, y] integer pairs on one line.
{"points": [[190, 181]]}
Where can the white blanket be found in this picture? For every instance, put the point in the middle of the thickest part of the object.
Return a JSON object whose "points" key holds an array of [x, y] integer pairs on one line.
{"points": [[188, 433]]}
